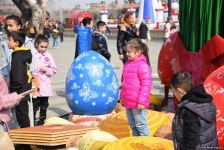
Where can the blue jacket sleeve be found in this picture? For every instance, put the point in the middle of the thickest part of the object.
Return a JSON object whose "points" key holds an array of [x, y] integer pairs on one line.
{"points": [[6, 59]]}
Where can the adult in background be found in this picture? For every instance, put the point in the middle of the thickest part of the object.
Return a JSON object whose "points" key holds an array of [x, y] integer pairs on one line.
{"points": [[31, 34], [55, 36], [127, 31], [168, 27], [143, 31], [61, 31], [47, 30]]}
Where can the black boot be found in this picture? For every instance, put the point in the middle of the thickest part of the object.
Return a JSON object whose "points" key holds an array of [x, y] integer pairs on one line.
{"points": [[43, 115], [34, 118], [40, 121]]}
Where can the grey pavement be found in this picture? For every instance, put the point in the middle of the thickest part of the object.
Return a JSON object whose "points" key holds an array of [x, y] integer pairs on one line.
{"points": [[64, 56]]}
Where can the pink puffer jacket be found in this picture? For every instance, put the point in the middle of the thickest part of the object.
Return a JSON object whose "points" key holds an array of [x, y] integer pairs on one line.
{"points": [[136, 84]]}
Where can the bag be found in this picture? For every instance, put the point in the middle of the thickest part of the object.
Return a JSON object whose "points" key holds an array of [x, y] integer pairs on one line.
{"points": [[148, 36], [36, 85]]}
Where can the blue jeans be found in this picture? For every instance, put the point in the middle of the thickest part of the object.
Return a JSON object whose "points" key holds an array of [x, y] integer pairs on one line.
{"points": [[137, 121], [56, 42]]}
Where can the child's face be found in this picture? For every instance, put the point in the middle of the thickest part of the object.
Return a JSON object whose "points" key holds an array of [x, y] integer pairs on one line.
{"points": [[132, 53], [12, 25], [179, 93], [12, 44], [102, 29], [32, 30], [42, 46]]}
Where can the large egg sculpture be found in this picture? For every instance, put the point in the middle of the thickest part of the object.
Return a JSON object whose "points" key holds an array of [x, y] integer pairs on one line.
{"points": [[91, 85]]}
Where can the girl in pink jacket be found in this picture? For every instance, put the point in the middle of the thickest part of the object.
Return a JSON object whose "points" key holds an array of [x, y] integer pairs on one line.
{"points": [[45, 69], [136, 87], [7, 101]]}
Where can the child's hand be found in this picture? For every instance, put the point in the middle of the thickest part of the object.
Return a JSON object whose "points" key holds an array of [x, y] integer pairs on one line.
{"points": [[141, 107], [20, 98], [121, 57], [43, 69], [123, 28], [137, 33]]}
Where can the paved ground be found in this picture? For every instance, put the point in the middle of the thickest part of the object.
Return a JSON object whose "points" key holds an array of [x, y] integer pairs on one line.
{"points": [[64, 57]]}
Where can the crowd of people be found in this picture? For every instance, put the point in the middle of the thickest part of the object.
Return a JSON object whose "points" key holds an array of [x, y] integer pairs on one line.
{"points": [[189, 122], [27, 64], [54, 29]]}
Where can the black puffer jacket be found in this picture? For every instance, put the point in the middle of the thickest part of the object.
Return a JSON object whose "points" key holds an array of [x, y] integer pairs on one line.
{"points": [[124, 36], [194, 124], [102, 45]]}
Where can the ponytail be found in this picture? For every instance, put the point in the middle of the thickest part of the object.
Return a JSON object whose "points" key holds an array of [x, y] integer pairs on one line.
{"points": [[145, 51]]}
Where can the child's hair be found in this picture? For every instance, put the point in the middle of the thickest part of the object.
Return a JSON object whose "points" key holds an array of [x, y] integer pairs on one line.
{"points": [[86, 21], [140, 46], [182, 80], [100, 24], [17, 36], [17, 19], [29, 26], [40, 38]]}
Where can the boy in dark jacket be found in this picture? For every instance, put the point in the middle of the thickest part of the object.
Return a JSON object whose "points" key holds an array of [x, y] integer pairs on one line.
{"points": [[194, 124], [101, 40], [20, 76]]}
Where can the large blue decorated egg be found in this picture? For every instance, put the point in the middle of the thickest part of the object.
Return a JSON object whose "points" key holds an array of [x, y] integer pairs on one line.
{"points": [[91, 85]]}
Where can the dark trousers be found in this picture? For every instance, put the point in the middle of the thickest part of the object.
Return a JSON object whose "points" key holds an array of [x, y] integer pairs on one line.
{"points": [[22, 113], [22, 116], [42, 104], [62, 37]]}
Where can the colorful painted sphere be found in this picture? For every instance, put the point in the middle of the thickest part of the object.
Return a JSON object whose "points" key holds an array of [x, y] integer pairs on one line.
{"points": [[91, 85]]}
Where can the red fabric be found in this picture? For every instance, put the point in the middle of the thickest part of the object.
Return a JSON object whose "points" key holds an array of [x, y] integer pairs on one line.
{"points": [[214, 85], [174, 57], [74, 15], [84, 14], [2, 18]]}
